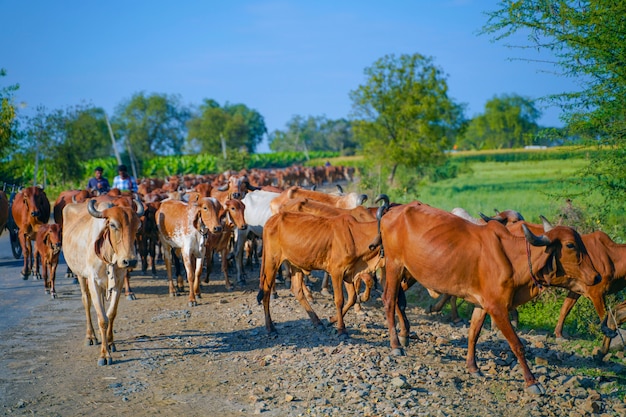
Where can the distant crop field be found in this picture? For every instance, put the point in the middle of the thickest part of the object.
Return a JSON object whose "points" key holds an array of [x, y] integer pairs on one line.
{"points": [[528, 187]]}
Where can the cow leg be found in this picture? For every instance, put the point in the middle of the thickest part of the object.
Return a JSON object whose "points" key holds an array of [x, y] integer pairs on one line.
{"points": [[611, 322], [97, 297], [393, 275], [26, 248], [130, 295], [90, 336], [403, 320], [567, 306], [240, 239], [189, 263], [267, 280], [297, 284], [501, 317], [112, 313], [351, 290], [36, 271], [337, 278], [152, 251], [476, 325], [208, 260], [167, 258], [325, 283], [180, 286], [227, 283], [52, 276]]}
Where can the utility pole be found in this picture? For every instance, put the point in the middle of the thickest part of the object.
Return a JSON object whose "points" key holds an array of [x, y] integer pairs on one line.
{"points": [[117, 154]]}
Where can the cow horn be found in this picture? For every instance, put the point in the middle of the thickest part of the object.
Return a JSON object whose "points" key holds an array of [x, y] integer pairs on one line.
{"points": [[91, 208], [362, 199], [487, 219], [384, 198], [223, 187], [314, 187], [533, 239], [339, 188], [547, 226], [140, 208], [251, 187]]}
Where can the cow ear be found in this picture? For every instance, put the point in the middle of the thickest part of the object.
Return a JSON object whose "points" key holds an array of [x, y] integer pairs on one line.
{"points": [[46, 238], [100, 242]]}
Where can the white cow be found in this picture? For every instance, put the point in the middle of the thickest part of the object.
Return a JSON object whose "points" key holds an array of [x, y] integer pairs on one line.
{"points": [[99, 246]]}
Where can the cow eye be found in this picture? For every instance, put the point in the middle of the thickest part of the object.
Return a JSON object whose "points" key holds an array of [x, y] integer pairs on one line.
{"points": [[571, 246]]}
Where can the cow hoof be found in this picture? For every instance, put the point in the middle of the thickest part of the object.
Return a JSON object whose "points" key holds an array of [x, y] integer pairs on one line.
{"points": [[536, 389], [397, 352], [274, 296], [102, 362], [192, 303], [53, 295], [325, 292], [113, 348], [476, 374], [404, 341], [24, 276]]}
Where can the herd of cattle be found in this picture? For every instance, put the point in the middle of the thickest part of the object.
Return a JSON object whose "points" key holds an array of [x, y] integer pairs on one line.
{"points": [[496, 263]]}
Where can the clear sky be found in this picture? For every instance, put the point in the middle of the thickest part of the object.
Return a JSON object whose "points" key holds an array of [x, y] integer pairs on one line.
{"points": [[281, 58]]}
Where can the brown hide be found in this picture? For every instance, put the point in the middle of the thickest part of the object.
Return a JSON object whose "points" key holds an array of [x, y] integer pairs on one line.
{"points": [[486, 265], [339, 245], [347, 201], [30, 210], [47, 251]]}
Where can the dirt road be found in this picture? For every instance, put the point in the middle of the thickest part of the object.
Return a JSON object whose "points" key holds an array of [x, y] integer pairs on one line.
{"points": [[216, 360]]}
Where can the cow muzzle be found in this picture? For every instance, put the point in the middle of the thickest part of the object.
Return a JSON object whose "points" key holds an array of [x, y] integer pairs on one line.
{"points": [[217, 229], [129, 263]]}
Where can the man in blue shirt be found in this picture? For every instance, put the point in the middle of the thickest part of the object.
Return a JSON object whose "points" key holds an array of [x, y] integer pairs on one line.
{"points": [[98, 184], [123, 181]]}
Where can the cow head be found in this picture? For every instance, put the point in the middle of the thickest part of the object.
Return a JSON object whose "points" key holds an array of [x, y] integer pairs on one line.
{"points": [[208, 215], [565, 257], [238, 186], [116, 243], [52, 238], [234, 213], [36, 203]]}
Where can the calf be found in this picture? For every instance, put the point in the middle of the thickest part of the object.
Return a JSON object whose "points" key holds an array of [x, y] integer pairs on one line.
{"points": [[219, 242], [47, 251], [184, 227]]}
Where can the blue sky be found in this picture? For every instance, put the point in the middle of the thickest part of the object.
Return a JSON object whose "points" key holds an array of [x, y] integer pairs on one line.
{"points": [[281, 58]]}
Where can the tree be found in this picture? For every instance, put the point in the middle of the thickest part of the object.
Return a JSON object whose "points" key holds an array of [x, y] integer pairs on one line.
{"points": [[403, 115], [152, 125], [509, 121], [239, 127], [315, 134], [8, 120], [587, 41]]}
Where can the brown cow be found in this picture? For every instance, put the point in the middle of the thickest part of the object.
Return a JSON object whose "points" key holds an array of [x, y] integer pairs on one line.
{"points": [[219, 242], [609, 259], [65, 198], [184, 227], [346, 201], [237, 187], [148, 237], [99, 245], [30, 210], [339, 245], [486, 265], [47, 251]]}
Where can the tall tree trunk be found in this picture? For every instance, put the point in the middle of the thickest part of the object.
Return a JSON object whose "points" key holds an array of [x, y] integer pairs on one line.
{"points": [[392, 174]]}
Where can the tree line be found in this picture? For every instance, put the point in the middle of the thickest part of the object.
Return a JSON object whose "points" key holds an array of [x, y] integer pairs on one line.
{"points": [[402, 113]]}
